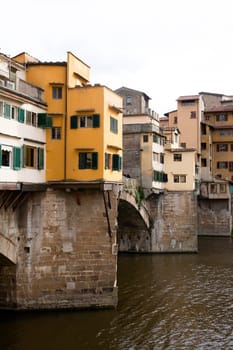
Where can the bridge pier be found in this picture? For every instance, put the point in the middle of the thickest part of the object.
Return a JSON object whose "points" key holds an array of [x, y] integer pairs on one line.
{"points": [[66, 249], [162, 223]]}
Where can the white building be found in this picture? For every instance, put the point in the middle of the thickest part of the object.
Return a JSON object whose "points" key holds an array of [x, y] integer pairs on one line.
{"points": [[23, 120]]}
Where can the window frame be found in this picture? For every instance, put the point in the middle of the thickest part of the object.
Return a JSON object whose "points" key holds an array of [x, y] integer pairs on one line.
{"points": [[56, 92]]}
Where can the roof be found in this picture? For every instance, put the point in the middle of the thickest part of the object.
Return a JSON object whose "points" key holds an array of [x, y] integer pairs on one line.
{"points": [[190, 97], [221, 108], [133, 91], [220, 127]]}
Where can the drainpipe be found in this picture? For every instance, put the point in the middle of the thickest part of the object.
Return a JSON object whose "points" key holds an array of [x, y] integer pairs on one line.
{"points": [[65, 121]]}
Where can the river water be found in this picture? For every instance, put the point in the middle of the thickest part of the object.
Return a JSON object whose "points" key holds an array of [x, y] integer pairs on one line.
{"points": [[168, 301]]}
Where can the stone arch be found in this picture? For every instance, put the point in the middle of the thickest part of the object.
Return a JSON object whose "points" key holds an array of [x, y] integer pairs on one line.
{"points": [[7, 249], [133, 233]]}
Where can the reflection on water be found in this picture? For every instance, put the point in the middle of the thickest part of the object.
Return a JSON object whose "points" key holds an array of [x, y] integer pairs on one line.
{"points": [[180, 301]]}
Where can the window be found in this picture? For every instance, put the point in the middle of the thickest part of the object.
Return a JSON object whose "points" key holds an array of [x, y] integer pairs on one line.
{"points": [[222, 147], [231, 147], [31, 118], [203, 162], [161, 158], [230, 166], [56, 133], [177, 157], [207, 117], [155, 138], [221, 118], [1, 108], [128, 100], [225, 132], [9, 155], [57, 92], [159, 176], [108, 161], [85, 122], [116, 162], [222, 165], [29, 156], [179, 178], [14, 112], [21, 115], [113, 125], [203, 129], [145, 138], [193, 114], [187, 102], [155, 157], [222, 188], [6, 156], [213, 188], [40, 158], [7, 110], [88, 160], [175, 120], [44, 121], [203, 145]]}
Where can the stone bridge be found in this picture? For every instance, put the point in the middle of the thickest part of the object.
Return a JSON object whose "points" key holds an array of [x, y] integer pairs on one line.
{"points": [[59, 243]]}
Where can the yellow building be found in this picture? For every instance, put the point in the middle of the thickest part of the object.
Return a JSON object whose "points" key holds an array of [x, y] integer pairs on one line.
{"points": [[217, 142], [85, 142]]}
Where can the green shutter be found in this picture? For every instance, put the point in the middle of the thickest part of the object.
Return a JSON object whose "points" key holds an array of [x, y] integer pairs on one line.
{"points": [[40, 158], [94, 160], [49, 122], [0, 156], [21, 114], [74, 122], [7, 110], [115, 162], [44, 121], [120, 163], [82, 160], [24, 155], [16, 158], [96, 120]]}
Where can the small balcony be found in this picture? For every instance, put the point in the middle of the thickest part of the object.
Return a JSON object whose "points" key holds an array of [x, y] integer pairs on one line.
{"points": [[22, 87]]}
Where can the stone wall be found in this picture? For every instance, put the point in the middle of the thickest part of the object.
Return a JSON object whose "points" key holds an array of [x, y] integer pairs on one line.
{"points": [[67, 256], [174, 222], [214, 217], [172, 229]]}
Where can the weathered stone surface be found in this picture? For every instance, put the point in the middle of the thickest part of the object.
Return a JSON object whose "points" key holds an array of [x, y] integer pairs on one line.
{"points": [[214, 217], [64, 252]]}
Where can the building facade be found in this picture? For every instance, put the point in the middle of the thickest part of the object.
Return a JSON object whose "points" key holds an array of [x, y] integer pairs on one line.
{"points": [[22, 129], [143, 141], [85, 142]]}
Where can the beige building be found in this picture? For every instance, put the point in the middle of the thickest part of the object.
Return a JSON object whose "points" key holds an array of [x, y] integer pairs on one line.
{"points": [[143, 141], [179, 163]]}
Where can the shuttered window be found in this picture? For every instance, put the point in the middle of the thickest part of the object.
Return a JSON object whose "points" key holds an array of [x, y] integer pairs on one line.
{"points": [[44, 121], [40, 158], [21, 115], [74, 122], [96, 120], [88, 160], [16, 158], [7, 110], [116, 162]]}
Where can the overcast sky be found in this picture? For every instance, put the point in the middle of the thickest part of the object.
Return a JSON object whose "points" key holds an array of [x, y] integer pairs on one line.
{"points": [[165, 48]]}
